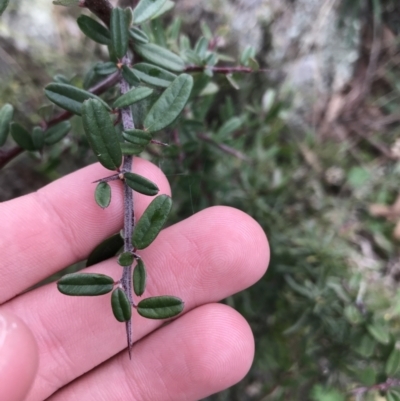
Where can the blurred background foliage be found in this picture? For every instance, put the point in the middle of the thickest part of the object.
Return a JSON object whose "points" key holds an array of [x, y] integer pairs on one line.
{"points": [[322, 180]]}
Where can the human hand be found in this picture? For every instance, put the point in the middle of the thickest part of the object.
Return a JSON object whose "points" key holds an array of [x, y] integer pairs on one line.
{"points": [[203, 259]]}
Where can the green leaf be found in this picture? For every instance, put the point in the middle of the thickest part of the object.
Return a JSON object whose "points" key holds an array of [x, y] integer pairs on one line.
{"points": [[253, 64], [38, 138], [130, 76], [392, 395], [170, 104], [3, 6], [105, 68], [380, 332], [85, 284], [168, 5], [201, 47], [141, 184], [393, 363], [129, 149], [146, 9], [121, 306], [6, 115], [153, 75], [132, 96], [69, 97], [61, 79], [101, 134], [152, 221], [22, 137], [94, 30], [160, 307], [137, 137], [119, 25], [125, 259], [105, 250], [102, 194], [232, 81], [139, 278], [229, 127], [160, 56], [56, 133], [66, 3], [366, 346], [138, 35]]}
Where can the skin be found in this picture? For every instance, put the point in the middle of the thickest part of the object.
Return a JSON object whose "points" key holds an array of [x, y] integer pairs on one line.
{"points": [[80, 346]]}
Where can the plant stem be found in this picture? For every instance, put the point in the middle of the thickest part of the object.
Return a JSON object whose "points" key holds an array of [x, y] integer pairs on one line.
{"points": [[129, 216]]}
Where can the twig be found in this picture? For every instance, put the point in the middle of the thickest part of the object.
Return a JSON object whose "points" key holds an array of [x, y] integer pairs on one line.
{"points": [[221, 70], [224, 148], [389, 383]]}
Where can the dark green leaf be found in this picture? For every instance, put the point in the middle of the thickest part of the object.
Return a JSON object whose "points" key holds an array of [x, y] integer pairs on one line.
{"points": [[139, 278], [393, 363], [160, 307], [137, 137], [130, 76], [85, 284], [141, 184], [94, 30], [102, 195], [160, 56], [229, 127], [56, 133], [393, 395], [153, 75], [3, 5], [6, 115], [106, 250], [125, 259], [232, 81], [38, 138], [105, 68], [138, 35], [101, 134], [132, 96], [129, 149], [152, 221], [119, 25], [22, 137], [146, 9], [69, 97], [170, 104], [120, 305]]}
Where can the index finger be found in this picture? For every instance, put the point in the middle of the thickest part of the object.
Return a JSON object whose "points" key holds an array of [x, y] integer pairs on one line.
{"points": [[60, 224]]}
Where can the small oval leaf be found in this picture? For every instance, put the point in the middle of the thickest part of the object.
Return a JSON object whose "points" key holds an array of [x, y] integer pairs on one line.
{"points": [[22, 137], [160, 307], [141, 184], [6, 115], [102, 195], [94, 30], [170, 104], [137, 137], [139, 278], [130, 76], [85, 284], [121, 306], [132, 96], [160, 56], [105, 250], [101, 134], [146, 9], [151, 222], [379, 332], [38, 138], [138, 35], [153, 75], [105, 68], [69, 97], [129, 149], [119, 25], [56, 133], [125, 259]]}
